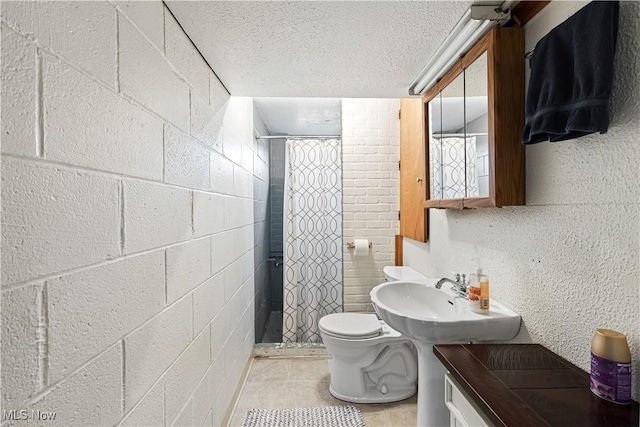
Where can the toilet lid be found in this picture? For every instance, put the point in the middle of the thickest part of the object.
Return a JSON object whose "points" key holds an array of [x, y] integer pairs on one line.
{"points": [[356, 325]]}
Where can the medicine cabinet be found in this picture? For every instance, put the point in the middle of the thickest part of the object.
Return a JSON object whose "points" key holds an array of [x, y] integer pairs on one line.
{"points": [[473, 123]]}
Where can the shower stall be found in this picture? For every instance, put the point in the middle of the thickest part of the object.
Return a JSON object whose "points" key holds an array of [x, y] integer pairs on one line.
{"points": [[305, 217]]}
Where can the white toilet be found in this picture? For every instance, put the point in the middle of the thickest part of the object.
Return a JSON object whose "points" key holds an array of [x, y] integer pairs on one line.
{"points": [[370, 362]]}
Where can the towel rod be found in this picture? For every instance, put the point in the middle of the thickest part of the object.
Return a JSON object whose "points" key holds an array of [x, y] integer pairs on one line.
{"points": [[529, 53]]}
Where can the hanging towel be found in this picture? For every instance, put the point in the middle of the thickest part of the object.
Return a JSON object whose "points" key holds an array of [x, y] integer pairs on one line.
{"points": [[572, 76]]}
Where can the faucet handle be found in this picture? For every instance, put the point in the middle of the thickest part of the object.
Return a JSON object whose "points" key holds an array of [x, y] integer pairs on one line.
{"points": [[458, 277]]}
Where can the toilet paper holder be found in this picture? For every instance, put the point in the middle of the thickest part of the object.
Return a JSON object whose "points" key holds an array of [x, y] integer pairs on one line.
{"points": [[351, 245]]}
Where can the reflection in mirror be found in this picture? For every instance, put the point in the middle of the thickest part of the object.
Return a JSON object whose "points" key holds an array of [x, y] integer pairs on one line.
{"points": [[451, 140], [435, 148], [477, 128]]}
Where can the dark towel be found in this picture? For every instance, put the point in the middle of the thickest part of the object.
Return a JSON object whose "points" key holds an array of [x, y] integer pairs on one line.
{"points": [[572, 76]]}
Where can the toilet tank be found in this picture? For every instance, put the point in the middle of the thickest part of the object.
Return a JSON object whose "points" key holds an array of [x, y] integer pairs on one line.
{"points": [[393, 273]]}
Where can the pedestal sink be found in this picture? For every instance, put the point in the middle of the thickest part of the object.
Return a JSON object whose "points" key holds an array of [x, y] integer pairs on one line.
{"points": [[431, 316]]}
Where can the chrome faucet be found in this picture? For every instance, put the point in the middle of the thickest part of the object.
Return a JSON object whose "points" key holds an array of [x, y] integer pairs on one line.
{"points": [[459, 286], [446, 279]]}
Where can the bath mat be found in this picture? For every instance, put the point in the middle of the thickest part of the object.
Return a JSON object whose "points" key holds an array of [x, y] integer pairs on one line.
{"points": [[328, 416]]}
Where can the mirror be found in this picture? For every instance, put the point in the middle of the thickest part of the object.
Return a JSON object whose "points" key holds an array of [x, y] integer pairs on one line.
{"points": [[450, 139], [473, 118], [477, 127], [435, 124], [459, 136]]}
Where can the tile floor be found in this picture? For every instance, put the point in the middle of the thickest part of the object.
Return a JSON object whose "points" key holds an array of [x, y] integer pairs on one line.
{"points": [[280, 383]]}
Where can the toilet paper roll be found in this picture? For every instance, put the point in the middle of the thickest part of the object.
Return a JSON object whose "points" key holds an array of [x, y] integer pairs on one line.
{"points": [[361, 247]]}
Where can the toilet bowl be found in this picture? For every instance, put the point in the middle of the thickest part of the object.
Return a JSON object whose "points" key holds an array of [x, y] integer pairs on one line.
{"points": [[369, 361]]}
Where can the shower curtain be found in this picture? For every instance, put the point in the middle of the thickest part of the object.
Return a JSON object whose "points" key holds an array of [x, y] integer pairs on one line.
{"points": [[454, 167], [312, 236]]}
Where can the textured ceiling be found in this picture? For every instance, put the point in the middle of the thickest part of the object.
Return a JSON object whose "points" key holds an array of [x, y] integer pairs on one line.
{"points": [[301, 116], [317, 48]]}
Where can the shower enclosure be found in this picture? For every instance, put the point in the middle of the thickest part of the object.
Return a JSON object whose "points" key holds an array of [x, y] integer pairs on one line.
{"points": [[305, 199], [312, 236]]}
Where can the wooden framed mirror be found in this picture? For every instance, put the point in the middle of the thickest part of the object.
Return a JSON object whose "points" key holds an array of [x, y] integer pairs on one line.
{"points": [[473, 123]]}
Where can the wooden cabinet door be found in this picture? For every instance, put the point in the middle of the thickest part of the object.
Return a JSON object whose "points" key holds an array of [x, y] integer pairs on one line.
{"points": [[413, 182]]}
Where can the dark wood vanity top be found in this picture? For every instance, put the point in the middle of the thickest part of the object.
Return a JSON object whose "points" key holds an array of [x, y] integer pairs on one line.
{"points": [[527, 385]]}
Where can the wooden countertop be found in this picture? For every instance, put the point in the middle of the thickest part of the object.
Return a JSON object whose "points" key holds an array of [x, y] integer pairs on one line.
{"points": [[527, 385]]}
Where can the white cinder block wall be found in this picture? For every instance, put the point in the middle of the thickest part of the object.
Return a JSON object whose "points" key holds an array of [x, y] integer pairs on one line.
{"points": [[133, 204], [569, 261], [370, 185]]}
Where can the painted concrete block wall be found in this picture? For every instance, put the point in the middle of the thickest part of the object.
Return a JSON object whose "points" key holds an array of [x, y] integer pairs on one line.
{"points": [[370, 186], [569, 261], [133, 208]]}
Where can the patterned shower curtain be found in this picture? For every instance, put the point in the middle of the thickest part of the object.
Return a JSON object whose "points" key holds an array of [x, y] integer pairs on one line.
{"points": [[454, 167], [312, 236]]}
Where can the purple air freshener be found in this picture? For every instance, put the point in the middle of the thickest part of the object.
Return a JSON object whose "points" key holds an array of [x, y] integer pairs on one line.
{"points": [[611, 380]]}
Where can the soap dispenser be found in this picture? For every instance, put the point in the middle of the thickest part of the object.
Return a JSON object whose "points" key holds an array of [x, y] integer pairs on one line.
{"points": [[474, 291]]}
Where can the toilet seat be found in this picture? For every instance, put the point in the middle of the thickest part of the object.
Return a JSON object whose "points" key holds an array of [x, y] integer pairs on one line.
{"points": [[351, 325]]}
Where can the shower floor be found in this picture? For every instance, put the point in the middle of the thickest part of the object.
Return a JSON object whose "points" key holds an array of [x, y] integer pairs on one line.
{"points": [[274, 328]]}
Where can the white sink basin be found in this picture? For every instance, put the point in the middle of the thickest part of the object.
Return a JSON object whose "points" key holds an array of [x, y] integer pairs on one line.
{"points": [[424, 313], [430, 316]]}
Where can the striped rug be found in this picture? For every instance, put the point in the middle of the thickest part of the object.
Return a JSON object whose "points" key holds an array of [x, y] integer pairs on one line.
{"points": [[327, 416]]}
